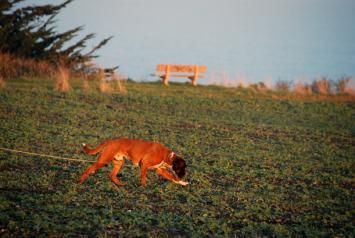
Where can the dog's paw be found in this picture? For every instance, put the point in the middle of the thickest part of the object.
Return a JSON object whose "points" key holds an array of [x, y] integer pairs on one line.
{"points": [[83, 144], [183, 183]]}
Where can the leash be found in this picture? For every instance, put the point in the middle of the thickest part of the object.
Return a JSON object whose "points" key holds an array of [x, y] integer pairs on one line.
{"points": [[44, 155]]}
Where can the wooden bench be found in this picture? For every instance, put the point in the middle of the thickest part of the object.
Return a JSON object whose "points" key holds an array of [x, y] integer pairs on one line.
{"points": [[164, 72]]}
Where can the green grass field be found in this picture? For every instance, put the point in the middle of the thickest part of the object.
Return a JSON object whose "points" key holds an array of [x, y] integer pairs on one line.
{"points": [[256, 166]]}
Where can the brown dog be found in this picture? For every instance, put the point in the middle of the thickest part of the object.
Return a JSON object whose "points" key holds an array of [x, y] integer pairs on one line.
{"points": [[146, 154]]}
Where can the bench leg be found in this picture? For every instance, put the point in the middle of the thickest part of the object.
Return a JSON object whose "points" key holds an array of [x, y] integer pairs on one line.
{"points": [[167, 75], [194, 82], [166, 79], [195, 77]]}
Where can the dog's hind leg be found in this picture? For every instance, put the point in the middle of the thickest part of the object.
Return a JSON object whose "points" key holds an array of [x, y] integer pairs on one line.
{"points": [[104, 158], [117, 165], [90, 170]]}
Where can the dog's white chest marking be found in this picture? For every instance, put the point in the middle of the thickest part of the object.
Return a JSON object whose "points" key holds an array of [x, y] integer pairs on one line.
{"points": [[163, 164]]}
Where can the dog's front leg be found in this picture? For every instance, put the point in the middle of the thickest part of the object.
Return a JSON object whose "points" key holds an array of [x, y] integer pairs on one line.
{"points": [[144, 170], [166, 174]]}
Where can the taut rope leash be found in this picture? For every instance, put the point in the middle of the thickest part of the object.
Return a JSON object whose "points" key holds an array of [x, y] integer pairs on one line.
{"points": [[44, 155]]}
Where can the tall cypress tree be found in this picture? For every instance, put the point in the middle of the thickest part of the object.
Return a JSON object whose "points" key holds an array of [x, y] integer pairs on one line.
{"points": [[29, 32]]}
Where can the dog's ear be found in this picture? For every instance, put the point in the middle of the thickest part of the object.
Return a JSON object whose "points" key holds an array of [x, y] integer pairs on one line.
{"points": [[179, 166]]}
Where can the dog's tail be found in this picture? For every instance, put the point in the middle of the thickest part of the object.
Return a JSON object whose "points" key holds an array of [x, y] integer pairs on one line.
{"points": [[94, 151]]}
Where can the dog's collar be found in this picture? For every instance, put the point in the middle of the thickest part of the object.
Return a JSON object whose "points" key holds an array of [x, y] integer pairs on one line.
{"points": [[162, 164]]}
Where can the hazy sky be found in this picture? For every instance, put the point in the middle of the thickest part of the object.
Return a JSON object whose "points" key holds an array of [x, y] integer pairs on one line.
{"points": [[253, 39]]}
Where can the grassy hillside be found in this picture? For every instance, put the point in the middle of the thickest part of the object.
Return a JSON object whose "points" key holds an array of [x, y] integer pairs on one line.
{"points": [[256, 166]]}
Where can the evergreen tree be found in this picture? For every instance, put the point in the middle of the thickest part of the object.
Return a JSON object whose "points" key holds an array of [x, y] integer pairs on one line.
{"points": [[29, 32]]}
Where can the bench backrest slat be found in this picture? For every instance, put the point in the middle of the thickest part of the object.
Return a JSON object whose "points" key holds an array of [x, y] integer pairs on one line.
{"points": [[180, 68]]}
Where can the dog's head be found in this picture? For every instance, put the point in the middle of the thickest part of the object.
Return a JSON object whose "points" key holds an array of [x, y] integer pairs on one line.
{"points": [[179, 166]]}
